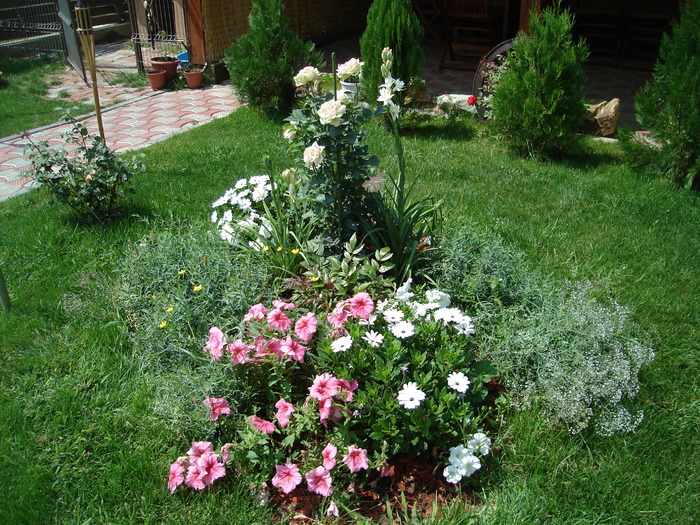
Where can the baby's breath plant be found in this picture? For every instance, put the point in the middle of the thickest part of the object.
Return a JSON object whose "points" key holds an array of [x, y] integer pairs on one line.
{"points": [[557, 345], [87, 175]]}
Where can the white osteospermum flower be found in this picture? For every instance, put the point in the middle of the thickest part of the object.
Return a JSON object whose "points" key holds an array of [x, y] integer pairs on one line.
{"points": [[393, 316], [481, 443], [382, 305], [453, 473], [436, 296], [259, 179], [448, 315], [373, 338], [240, 184], [341, 344], [458, 381], [402, 329], [410, 396], [369, 321]]}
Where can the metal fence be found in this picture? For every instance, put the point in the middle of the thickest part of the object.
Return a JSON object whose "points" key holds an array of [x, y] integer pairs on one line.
{"points": [[159, 29], [29, 27]]}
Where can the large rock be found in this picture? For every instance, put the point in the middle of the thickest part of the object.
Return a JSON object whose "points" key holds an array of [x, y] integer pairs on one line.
{"points": [[602, 118], [444, 102]]}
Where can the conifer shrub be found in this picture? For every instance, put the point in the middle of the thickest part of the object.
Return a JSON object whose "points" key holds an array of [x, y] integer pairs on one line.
{"points": [[669, 104], [393, 24], [538, 105], [263, 61]]}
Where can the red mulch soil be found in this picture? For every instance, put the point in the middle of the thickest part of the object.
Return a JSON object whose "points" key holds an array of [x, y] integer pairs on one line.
{"points": [[421, 483]]}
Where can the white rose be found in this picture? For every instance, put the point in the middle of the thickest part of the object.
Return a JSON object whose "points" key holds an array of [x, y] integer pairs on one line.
{"points": [[306, 76], [374, 184], [313, 155], [330, 112], [351, 68], [289, 132]]}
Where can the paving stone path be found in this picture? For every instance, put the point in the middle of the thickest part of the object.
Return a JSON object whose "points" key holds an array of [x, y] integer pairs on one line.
{"points": [[136, 123]]}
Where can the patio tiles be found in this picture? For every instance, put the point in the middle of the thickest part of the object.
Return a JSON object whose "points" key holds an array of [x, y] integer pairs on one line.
{"points": [[139, 122]]}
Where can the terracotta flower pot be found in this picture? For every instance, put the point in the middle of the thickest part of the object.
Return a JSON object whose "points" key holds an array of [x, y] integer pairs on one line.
{"points": [[193, 77], [168, 64], [157, 78]]}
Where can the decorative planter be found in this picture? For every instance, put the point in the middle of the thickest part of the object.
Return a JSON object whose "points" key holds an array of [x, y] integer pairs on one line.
{"points": [[167, 64], [193, 77], [157, 78], [351, 87]]}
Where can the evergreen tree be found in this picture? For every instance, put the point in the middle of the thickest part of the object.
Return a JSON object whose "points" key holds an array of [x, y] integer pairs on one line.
{"points": [[263, 62], [538, 104], [669, 104], [391, 23]]}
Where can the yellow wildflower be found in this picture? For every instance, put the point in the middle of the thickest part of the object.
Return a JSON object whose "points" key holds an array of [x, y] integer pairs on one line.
{"points": [[153, 297], [295, 251], [197, 288], [162, 324], [279, 248], [313, 278], [266, 248], [169, 309], [181, 272]]}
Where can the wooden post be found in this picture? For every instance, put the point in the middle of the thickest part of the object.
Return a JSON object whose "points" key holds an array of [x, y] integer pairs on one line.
{"points": [[525, 7], [195, 32], [87, 40]]}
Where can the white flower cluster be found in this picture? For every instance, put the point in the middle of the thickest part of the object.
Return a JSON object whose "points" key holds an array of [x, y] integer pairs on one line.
{"points": [[390, 86], [463, 460], [240, 214]]}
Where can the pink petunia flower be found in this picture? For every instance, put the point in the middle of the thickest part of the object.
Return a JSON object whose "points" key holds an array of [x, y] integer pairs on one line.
{"points": [[266, 427], [332, 510], [341, 313], [211, 468], [198, 449], [324, 409], [319, 481], [215, 345], [177, 475], [324, 386], [329, 454], [292, 349], [257, 312], [194, 477], [284, 410], [305, 328], [267, 348], [287, 477], [361, 305], [239, 352], [347, 389], [278, 320], [218, 406], [226, 452], [356, 459], [281, 305]]}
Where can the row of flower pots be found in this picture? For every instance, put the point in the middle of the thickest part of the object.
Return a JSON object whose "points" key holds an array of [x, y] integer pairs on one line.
{"points": [[165, 68]]}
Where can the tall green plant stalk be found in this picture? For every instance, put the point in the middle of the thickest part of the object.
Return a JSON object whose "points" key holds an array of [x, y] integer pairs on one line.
{"points": [[4, 296]]}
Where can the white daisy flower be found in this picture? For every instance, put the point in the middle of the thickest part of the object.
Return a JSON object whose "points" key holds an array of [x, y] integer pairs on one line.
{"points": [[402, 329], [341, 344], [393, 315], [373, 338], [410, 396], [458, 381]]}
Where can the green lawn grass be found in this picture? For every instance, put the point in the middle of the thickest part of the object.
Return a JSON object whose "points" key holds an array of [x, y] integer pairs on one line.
{"points": [[81, 434], [23, 104]]}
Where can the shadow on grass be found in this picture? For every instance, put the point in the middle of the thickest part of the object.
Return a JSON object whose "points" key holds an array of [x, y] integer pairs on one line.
{"points": [[460, 129]]}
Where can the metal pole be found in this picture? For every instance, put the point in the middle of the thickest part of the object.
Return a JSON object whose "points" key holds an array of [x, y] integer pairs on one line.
{"points": [[4, 296], [87, 39]]}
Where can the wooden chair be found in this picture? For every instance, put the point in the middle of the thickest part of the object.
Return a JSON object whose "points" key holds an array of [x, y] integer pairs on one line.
{"points": [[469, 32], [429, 14]]}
